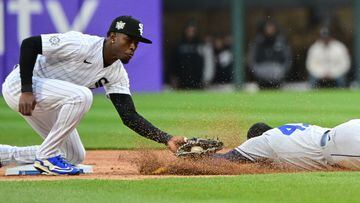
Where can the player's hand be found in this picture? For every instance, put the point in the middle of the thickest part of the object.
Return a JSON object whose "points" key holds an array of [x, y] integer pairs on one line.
{"points": [[27, 103], [175, 142]]}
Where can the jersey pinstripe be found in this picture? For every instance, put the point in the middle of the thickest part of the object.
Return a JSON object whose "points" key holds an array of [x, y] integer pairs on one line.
{"points": [[60, 106], [70, 64], [78, 58], [18, 155]]}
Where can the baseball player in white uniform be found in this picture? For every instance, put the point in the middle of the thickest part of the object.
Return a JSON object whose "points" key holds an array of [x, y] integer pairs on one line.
{"points": [[51, 89], [302, 146]]}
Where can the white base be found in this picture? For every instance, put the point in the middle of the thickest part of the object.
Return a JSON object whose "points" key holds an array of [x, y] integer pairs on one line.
{"points": [[30, 170]]}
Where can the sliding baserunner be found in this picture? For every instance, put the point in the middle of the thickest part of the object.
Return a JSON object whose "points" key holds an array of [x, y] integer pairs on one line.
{"points": [[302, 146]]}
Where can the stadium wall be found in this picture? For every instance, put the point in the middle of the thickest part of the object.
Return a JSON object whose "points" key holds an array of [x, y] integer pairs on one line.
{"points": [[20, 19]]}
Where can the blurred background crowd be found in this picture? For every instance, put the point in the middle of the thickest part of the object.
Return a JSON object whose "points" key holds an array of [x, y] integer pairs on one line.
{"points": [[209, 44], [286, 44]]}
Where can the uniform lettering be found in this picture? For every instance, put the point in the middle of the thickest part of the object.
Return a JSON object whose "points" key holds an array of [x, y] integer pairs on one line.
{"points": [[290, 129], [101, 82]]}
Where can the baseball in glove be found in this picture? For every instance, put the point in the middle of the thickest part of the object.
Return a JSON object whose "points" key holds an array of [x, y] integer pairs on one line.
{"points": [[195, 147]]}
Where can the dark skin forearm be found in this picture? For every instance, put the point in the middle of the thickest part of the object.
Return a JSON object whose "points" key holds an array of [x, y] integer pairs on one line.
{"points": [[29, 50], [128, 114]]}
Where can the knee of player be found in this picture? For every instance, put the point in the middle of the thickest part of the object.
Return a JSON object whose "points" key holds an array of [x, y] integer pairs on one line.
{"points": [[88, 97], [85, 97]]}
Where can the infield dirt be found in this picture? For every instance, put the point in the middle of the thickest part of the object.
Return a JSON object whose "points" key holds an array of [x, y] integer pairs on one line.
{"points": [[141, 164]]}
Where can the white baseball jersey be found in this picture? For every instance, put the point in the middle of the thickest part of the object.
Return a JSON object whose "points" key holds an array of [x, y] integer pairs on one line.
{"points": [[296, 144], [70, 64], [307, 146], [78, 58]]}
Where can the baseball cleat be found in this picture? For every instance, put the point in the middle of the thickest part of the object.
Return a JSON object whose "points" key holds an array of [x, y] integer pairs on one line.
{"points": [[55, 166]]}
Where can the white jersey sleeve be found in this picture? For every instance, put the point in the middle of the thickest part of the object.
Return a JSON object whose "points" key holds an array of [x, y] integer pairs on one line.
{"points": [[62, 45], [121, 83], [256, 148], [296, 144]]}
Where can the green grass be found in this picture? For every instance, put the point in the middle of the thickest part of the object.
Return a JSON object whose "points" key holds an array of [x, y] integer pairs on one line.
{"points": [[270, 188], [226, 115], [223, 115]]}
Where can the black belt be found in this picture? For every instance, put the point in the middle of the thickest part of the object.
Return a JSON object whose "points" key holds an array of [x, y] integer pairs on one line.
{"points": [[325, 138]]}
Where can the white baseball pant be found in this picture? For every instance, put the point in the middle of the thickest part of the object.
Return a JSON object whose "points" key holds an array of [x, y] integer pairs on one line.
{"points": [[60, 107], [343, 146]]}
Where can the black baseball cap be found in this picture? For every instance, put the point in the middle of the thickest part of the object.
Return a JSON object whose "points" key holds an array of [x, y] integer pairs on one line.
{"points": [[129, 26]]}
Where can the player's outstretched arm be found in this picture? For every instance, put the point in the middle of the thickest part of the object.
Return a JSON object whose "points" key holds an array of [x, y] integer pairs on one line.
{"points": [[127, 112], [29, 50], [232, 155]]}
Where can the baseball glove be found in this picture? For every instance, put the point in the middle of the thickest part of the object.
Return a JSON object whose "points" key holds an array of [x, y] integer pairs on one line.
{"points": [[195, 147]]}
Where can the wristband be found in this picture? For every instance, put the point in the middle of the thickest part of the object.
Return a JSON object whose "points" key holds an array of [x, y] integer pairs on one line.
{"points": [[26, 88]]}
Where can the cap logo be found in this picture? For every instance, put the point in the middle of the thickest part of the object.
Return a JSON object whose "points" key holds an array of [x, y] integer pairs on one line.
{"points": [[141, 28], [120, 25]]}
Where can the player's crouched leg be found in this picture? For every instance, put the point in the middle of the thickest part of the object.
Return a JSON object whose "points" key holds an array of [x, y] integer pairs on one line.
{"points": [[80, 157], [73, 149], [77, 156], [83, 98], [75, 102]]}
